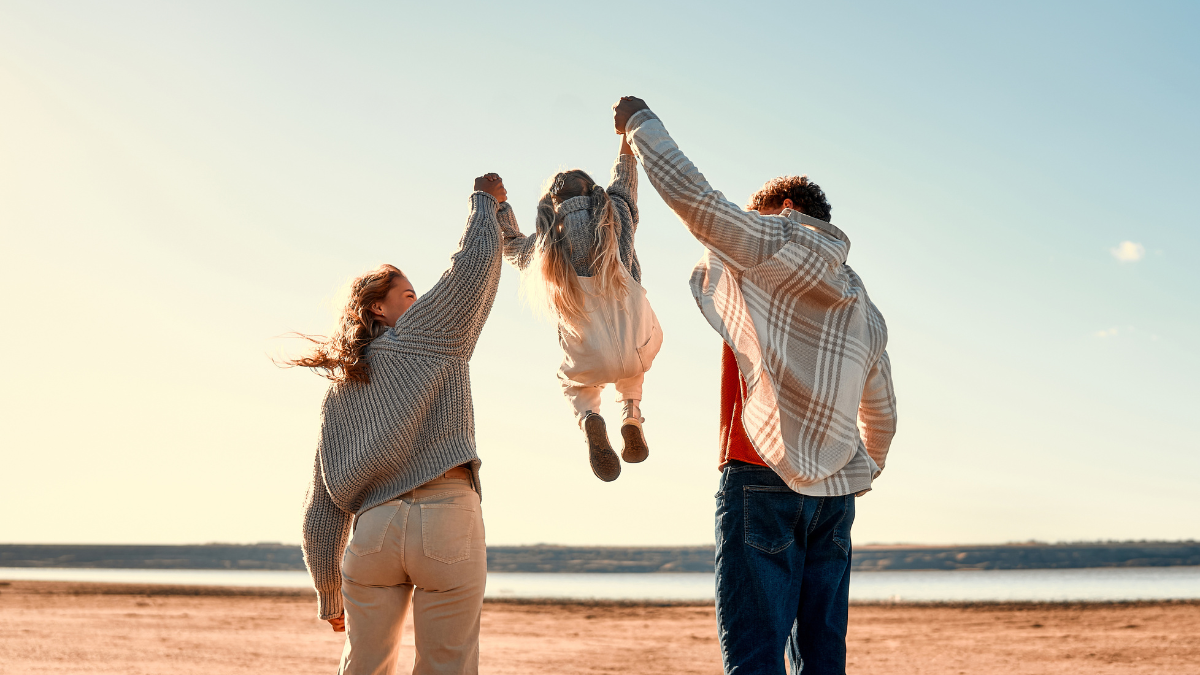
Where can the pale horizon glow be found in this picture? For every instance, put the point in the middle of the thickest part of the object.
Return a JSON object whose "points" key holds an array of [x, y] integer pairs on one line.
{"points": [[183, 183]]}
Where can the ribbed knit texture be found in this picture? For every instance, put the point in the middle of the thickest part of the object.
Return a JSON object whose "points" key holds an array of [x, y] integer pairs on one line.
{"points": [[414, 420], [580, 230]]}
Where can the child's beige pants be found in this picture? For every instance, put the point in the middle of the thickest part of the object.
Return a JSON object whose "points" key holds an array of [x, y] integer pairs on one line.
{"points": [[585, 399], [426, 546], [616, 344]]}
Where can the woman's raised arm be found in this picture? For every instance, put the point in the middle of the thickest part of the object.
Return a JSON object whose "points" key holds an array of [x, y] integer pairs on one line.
{"points": [[449, 317]]}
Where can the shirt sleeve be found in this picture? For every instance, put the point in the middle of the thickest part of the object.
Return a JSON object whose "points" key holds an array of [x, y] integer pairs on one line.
{"points": [[740, 238], [877, 411], [450, 316], [326, 530], [518, 249]]}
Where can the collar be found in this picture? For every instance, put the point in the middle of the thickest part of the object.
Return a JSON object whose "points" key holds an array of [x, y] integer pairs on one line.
{"points": [[816, 224]]}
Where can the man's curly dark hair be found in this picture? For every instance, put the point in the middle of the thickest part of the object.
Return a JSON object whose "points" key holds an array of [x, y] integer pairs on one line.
{"points": [[807, 197]]}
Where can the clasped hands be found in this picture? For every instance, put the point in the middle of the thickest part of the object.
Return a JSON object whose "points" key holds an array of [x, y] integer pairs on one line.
{"points": [[624, 109]]}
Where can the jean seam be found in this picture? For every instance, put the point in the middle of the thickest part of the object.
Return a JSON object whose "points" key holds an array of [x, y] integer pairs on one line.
{"points": [[838, 526], [404, 535], [812, 525]]}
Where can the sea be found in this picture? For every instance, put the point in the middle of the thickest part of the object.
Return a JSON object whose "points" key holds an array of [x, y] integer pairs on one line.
{"points": [[1047, 585]]}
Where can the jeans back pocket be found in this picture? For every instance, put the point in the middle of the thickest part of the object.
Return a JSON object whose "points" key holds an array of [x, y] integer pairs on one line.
{"points": [[371, 527], [446, 531], [771, 513]]}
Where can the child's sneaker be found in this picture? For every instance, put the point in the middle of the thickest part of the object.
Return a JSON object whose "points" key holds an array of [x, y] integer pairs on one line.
{"points": [[635, 449], [604, 461]]}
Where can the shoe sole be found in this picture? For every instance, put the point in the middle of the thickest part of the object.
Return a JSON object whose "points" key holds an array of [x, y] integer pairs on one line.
{"points": [[635, 449], [603, 458]]}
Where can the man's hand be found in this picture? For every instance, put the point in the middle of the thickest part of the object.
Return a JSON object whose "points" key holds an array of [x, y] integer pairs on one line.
{"points": [[492, 184], [624, 109], [338, 622]]}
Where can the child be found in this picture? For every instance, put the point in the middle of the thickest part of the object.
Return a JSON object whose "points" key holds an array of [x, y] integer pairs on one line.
{"points": [[581, 258]]}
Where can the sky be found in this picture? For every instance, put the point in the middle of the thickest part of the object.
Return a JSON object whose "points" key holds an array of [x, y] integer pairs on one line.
{"points": [[182, 184]]}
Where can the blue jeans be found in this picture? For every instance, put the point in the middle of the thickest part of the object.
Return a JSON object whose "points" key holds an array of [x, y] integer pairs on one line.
{"points": [[783, 575]]}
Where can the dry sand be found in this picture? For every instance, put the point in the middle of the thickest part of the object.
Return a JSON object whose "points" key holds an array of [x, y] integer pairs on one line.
{"points": [[58, 627]]}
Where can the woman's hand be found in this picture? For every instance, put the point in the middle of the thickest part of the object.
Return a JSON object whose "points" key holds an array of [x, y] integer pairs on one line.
{"points": [[338, 622], [625, 149], [492, 184]]}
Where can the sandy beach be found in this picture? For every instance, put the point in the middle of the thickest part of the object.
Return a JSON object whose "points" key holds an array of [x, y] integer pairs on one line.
{"points": [[62, 627]]}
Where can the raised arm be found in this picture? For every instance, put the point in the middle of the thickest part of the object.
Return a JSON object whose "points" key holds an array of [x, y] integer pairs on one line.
{"points": [[740, 238], [518, 248], [449, 317], [622, 188], [325, 533], [877, 411]]}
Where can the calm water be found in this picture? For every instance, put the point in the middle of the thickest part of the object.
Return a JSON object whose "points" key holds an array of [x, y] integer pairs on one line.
{"points": [[1137, 583]]}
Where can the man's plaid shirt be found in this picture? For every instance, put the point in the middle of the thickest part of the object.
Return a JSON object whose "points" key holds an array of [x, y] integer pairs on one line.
{"points": [[820, 408]]}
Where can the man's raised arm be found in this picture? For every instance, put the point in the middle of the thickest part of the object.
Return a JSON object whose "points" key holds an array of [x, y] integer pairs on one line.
{"points": [[740, 238]]}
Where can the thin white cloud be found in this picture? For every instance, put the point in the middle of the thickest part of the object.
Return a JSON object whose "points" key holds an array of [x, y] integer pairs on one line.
{"points": [[1128, 251], [1107, 332]]}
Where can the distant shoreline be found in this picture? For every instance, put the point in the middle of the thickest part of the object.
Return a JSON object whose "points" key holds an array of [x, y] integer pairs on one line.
{"points": [[618, 559], [59, 588]]}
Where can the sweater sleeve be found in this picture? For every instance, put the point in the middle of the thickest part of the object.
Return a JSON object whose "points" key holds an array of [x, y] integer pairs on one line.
{"points": [[325, 533], [622, 190], [740, 238], [518, 248], [449, 317]]}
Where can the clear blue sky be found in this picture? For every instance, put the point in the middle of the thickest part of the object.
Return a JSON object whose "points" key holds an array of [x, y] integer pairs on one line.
{"points": [[181, 183]]}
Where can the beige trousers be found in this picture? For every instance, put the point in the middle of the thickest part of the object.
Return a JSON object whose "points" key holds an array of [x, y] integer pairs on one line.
{"points": [[616, 344], [585, 399], [426, 546]]}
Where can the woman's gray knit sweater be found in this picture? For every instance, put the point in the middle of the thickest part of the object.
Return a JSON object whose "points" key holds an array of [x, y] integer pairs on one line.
{"points": [[414, 420]]}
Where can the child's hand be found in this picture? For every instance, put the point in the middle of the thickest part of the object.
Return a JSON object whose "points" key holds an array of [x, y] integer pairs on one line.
{"points": [[625, 149], [492, 184]]}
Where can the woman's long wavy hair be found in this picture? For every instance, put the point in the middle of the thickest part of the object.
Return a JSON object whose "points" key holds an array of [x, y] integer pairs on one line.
{"points": [[340, 357], [564, 295]]}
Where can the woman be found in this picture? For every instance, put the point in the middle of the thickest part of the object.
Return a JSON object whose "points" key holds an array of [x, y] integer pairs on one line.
{"points": [[396, 469]]}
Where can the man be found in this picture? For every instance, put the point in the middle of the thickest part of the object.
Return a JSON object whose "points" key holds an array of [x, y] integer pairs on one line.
{"points": [[807, 405]]}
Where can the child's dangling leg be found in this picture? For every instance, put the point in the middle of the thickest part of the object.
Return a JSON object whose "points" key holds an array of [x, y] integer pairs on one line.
{"points": [[586, 401], [629, 392]]}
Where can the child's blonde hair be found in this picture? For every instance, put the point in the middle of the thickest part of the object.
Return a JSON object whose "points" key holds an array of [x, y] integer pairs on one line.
{"points": [[563, 293]]}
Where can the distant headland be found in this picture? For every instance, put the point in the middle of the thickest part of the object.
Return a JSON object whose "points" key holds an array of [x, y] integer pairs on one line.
{"points": [[610, 559]]}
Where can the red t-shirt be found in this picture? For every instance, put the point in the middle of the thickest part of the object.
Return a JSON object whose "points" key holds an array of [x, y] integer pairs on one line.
{"points": [[735, 444]]}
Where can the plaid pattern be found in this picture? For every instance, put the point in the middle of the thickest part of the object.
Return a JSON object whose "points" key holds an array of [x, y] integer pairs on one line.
{"points": [[820, 408]]}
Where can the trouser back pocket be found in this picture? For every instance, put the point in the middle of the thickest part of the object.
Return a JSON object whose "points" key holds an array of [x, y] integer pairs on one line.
{"points": [[447, 530], [371, 528]]}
